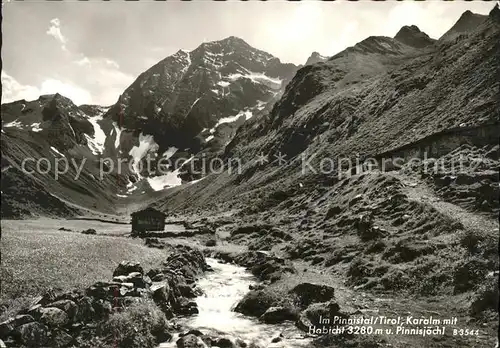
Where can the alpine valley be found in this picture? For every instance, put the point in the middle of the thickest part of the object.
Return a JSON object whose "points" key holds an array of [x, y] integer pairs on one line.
{"points": [[418, 238]]}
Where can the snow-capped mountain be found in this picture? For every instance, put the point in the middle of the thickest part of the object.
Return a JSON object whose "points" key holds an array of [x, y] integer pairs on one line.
{"points": [[193, 102], [190, 92], [226, 98], [188, 104]]}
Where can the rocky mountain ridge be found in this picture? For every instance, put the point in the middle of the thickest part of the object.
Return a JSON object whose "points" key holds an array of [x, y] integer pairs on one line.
{"points": [[371, 98], [187, 103], [191, 104]]}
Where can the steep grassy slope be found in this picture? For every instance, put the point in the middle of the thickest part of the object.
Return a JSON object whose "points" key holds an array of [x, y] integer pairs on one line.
{"points": [[423, 230], [371, 99]]}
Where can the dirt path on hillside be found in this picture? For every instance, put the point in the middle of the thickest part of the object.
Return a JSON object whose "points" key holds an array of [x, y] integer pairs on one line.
{"points": [[419, 191]]}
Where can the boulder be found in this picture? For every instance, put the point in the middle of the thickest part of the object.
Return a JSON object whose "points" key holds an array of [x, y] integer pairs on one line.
{"points": [[308, 293], [311, 316], [256, 287], [186, 307], [211, 243], [161, 296], [32, 334], [275, 315], [276, 339], [187, 291], [192, 332], [153, 242], [60, 339], [256, 302], [134, 278], [127, 267], [34, 311], [8, 326], [190, 341], [54, 317], [89, 231], [224, 342], [51, 295], [105, 290], [68, 306], [86, 311]]}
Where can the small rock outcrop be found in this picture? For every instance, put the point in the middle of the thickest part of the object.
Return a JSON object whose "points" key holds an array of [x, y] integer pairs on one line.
{"points": [[308, 293], [262, 265], [256, 302], [275, 315], [126, 267]]}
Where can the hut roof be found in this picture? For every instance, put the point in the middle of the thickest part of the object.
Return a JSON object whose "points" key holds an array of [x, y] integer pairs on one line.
{"points": [[149, 212]]}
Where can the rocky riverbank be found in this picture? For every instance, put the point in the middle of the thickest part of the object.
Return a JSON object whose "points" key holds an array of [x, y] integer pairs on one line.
{"points": [[131, 310], [312, 307]]}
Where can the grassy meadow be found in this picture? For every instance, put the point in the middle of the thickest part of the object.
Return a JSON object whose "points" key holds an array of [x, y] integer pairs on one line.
{"points": [[35, 255]]}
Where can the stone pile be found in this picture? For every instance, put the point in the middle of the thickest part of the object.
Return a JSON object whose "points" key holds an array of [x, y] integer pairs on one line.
{"points": [[65, 318]]}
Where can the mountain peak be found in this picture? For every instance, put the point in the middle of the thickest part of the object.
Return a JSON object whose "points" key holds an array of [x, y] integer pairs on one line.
{"points": [[316, 58], [495, 13], [57, 97], [233, 39], [413, 36], [228, 41], [467, 22]]}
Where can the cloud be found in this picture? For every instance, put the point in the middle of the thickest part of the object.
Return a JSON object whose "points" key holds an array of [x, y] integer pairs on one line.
{"points": [[55, 31], [77, 94], [100, 75], [103, 76], [83, 62], [12, 90], [86, 79]]}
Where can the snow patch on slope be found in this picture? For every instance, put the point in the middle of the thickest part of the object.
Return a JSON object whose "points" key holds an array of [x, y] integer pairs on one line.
{"points": [[170, 179], [57, 151], [192, 105], [187, 57], [15, 124], [96, 143], [35, 127], [271, 82], [170, 152], [247, 113], [146, 144], [118, 133]]}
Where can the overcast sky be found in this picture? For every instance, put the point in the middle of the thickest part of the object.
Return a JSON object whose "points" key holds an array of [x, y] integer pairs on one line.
{"points": [[91, 51]]}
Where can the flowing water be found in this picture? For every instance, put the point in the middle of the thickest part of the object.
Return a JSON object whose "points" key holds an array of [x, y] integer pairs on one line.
{"points": [[222, 289]]}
